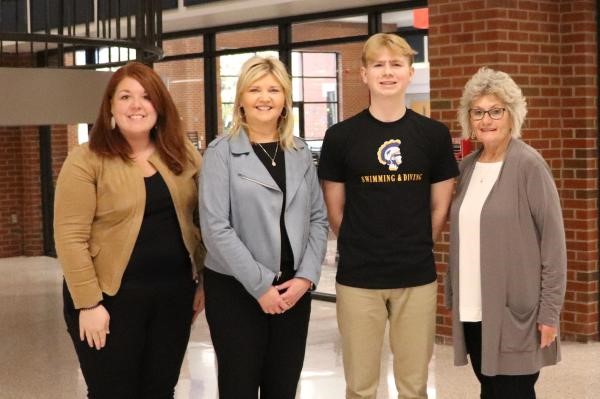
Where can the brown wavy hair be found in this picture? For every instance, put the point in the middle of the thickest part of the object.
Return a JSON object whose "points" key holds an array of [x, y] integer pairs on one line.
{"points": [[167, 134]]}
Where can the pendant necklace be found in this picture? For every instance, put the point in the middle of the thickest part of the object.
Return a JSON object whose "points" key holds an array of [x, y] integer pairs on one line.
{"points": [[272, 158]]}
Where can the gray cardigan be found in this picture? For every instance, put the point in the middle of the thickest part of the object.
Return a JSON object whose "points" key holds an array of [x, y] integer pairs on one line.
{"points": [[240, 207], [523, 264]]}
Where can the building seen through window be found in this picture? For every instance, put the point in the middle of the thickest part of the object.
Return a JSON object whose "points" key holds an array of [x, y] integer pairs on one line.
{"points": [[314, 91]]}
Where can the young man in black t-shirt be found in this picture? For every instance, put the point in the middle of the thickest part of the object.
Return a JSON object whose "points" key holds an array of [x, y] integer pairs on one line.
{"points": [[388, 176]]}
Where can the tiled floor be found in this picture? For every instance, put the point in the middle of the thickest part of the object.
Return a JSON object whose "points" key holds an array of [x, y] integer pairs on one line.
{"points": [[37, 360]]}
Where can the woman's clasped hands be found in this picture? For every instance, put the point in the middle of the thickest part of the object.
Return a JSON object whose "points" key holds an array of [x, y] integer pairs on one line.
{"points": [[283, 297]]}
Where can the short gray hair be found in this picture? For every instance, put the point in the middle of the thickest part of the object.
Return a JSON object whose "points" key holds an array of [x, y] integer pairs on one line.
{"points": [[487, 81]]}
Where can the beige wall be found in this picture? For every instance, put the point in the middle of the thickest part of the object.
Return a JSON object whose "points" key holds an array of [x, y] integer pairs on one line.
{"points": [[40, 96]]}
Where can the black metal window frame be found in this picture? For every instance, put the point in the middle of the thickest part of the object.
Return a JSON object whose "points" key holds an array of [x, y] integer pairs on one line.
{"points": [[284, 46], [221, 76], [300, 104]]}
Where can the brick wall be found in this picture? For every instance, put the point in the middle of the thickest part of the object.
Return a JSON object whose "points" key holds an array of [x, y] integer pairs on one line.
{"points": [[20, 187], [31, 196], [327, 30], [185, 81], [11, 187], [549, 48], [61, 142]]}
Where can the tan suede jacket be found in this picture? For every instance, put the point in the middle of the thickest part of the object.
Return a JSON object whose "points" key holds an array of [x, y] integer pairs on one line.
{"points": [[98, 210]]}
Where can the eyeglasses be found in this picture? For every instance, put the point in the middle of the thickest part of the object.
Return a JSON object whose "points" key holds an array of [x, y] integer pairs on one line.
{"points": [[477, 114]]}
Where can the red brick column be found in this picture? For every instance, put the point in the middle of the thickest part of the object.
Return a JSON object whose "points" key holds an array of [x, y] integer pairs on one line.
{"points": [[31, 201], [579, 91], [60, 149], [11, 188], [549, 48], [20, 190]]}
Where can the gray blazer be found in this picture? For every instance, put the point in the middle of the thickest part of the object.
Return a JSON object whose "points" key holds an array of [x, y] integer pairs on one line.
{"points": [[240, 207], [523, 264]]}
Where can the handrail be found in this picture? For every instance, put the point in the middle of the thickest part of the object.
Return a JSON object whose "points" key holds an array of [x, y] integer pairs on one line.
{"points": [[132, 25]]}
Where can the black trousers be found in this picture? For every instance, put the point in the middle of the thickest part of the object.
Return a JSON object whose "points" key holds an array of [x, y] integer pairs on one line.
{"points": [[255, 351], [149, 331], [499, 386]]}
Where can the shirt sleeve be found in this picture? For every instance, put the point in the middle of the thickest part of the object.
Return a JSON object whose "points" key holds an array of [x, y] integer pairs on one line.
{"points": [[544, 204], [74, 212], [331, 161], [310, 265], [444, 164]]}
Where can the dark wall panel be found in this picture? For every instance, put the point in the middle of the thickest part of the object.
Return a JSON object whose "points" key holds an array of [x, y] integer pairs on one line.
{"points": [[127, 7], [82, 10], [75, 12], [13, 16]]}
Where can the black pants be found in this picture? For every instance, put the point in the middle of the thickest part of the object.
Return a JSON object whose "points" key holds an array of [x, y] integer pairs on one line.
{"points": [[499, 386], [149, 331], [254, 350]]}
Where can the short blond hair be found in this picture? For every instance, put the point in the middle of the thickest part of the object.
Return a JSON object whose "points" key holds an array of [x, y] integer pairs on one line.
{"points": [[390, 41], [488, 82], [252, 70]]}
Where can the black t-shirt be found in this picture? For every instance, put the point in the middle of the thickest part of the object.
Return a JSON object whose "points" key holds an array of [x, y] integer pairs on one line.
{"points": [[387, 169]]}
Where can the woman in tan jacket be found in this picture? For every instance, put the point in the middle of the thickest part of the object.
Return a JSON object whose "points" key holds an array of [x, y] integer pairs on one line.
{"points": [[127, 242]]}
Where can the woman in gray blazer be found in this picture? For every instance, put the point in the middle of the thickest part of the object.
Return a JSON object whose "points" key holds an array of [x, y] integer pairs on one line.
{"points": [[266, 231], [507, 246]]}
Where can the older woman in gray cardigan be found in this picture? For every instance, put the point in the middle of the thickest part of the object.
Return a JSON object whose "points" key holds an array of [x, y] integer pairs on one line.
{"points": [[507, 246]]}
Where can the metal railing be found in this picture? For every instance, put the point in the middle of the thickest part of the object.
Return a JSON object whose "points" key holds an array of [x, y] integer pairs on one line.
{"points": [[48, 33]]}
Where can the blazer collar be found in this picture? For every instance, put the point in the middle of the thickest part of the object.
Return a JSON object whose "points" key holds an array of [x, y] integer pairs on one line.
{"points": [[295, 168], [240, 143], [295, 164]]}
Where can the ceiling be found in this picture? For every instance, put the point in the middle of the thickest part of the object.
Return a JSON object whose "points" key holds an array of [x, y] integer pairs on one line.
{"points": [[230, 12]]}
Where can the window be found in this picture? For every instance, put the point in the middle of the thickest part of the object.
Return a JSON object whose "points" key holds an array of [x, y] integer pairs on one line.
{"points": [[315, 94], [314, 91], [185, 81], [229, 71], [114, 54]]}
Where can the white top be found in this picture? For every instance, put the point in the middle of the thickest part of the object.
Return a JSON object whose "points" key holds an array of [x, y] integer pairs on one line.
{"points": [[482, 180]]}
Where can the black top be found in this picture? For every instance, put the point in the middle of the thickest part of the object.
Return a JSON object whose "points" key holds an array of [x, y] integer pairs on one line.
{"points": [[159, 253], [387, 168], [278, 174]]}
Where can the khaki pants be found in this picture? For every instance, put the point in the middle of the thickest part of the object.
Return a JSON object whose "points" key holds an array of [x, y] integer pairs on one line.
{"points": [[362, 315]]}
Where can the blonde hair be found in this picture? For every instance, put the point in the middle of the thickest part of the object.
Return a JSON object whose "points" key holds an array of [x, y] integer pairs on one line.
{"points": [[252, 70], [488, 82], [390, 41]]}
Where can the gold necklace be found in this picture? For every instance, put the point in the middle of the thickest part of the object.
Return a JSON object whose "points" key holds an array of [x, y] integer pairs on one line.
{"points": [[272, 158]]}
